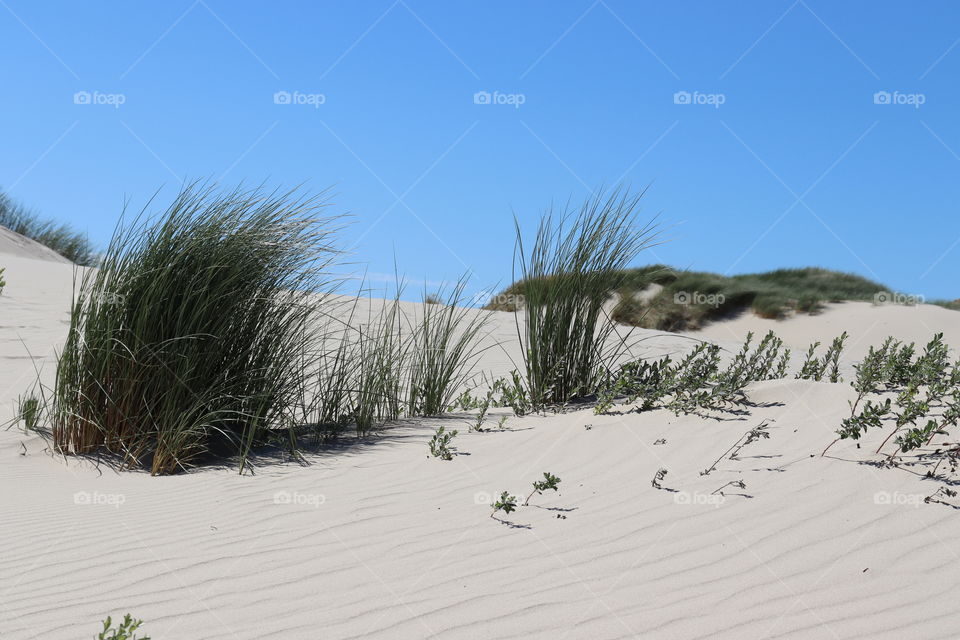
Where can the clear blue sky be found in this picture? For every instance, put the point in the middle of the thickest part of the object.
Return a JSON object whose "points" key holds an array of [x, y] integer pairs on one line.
{"points": [[798, 166]]}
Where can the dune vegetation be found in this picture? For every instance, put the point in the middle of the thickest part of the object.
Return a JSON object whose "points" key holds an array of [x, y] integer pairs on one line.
{"points": [[68, 242], [659, 297], [209, 331], [574, 264]]}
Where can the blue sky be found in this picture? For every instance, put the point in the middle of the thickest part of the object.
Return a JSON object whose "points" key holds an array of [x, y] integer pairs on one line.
{"points": [[779, 153]]}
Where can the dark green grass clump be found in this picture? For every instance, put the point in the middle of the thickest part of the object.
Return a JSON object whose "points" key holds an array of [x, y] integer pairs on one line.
{"points": [[66, 241], [190, 338], [690, 299]]}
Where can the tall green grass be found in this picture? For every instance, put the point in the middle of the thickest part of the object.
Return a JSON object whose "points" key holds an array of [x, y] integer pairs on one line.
{"points": [[569, 274], [445, 344], [69, 243], [393, 361], [189, 340]]}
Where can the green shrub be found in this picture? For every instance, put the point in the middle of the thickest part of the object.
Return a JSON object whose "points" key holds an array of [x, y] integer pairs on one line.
{"points": [[189, 341], [125, 631]]}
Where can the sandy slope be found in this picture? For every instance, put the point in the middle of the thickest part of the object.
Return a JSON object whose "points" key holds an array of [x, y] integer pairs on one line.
{"points": [[378, 540]]}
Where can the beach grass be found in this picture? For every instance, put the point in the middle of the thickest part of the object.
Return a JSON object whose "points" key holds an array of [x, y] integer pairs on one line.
{"points": [[576, 261], [188, 341], [68, 242]]}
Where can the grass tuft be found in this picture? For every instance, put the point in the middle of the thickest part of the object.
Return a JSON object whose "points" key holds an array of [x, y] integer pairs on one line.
{"points": [[189, 340], [574, 265]]}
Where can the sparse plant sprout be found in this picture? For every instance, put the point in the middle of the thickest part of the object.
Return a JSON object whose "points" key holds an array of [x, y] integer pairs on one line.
{"points": [[440, 444], [549, 481], [815, 368], [464, 402], [513, 394], [126, 630], [739, 484], [757, 433], [942, 492], [658, 478], [477, 424], [506, 503], [660, 441]]}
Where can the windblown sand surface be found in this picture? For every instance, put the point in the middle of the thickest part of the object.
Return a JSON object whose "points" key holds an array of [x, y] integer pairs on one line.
{"points": [[378, 540]]}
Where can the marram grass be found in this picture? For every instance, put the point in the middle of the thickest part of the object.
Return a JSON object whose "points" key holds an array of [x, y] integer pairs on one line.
{"points": [[566, 279], [189, 339]]}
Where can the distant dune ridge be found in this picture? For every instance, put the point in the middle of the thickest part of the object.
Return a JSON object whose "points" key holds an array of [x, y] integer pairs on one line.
{"points": [[378, 540], [14, 244]]}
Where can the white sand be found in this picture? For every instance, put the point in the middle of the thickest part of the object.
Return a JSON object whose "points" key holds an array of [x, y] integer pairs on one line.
{"points": [[382, 541]]}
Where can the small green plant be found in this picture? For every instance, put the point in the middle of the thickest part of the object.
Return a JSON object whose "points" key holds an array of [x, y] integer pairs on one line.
{"points": [[815, 368], [506, 503], [513, 394], [739, 484], [440, 444], [757, 433], [658, 478], [477, 424], [871, 416], [3, 282], [126, 630], [28, 412], [502, 423], [945, 492], [549, 481]]}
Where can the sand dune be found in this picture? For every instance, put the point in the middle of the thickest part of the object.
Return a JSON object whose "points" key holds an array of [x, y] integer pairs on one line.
{"points": [[378, 540]]}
